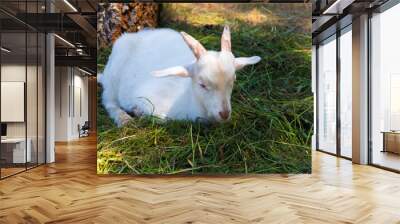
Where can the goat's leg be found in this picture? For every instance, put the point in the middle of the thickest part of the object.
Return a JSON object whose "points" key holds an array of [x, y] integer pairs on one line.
{"points": [[136, 111], [140, 107], [119, 116]]}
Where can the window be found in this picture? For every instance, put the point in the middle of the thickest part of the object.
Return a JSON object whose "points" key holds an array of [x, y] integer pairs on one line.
{"points": [[385, 89], [346, 92], [22, 77], [327, 95]]}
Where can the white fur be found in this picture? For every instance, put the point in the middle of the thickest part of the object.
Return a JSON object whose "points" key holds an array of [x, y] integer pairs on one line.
{"points": [[134, 81]]}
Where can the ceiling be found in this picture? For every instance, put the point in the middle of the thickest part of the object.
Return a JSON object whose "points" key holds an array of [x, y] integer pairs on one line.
{"points": [[329, 15], [74, 22]]}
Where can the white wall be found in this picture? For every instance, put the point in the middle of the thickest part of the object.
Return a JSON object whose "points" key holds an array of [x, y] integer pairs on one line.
{"points": [[34, 125], [80, 108], [61, 103], [71, 94], [14, 73]]}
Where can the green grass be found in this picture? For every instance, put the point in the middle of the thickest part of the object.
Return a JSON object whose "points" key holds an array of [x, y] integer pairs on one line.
{"points": [[272, 108]]}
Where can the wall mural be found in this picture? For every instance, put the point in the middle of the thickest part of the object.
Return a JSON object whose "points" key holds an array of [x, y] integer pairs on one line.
{"points": [[204, 88]]}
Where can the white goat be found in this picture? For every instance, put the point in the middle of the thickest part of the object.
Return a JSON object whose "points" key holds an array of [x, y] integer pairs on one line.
{"points": [[170, 75]]}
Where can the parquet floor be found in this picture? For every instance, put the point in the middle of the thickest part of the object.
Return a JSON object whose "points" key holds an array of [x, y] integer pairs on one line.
{"points": [[10, 171], [69, 191]]}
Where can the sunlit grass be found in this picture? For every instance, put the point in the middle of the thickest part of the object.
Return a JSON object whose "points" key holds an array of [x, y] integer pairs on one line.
{"points": [[271, 126]]}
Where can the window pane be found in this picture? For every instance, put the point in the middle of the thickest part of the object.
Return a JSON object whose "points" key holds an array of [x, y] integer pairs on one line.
{"points": [[327, 95], [14, 150], [386, 89], [346, 92]]}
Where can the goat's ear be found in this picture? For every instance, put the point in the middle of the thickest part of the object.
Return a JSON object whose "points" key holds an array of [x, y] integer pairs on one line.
{"points": [[172, 71], [226, 39], [194, 45], [243, 61]]}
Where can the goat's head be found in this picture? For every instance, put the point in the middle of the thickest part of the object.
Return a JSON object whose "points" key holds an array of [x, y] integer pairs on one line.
{"points": [[212, 74]]}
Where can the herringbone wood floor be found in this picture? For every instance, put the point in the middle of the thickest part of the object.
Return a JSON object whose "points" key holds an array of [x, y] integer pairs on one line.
{"points": [[69, 191]]}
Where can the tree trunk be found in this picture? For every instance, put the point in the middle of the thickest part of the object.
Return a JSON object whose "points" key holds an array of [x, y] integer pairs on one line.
{"points": [[113, 19]]}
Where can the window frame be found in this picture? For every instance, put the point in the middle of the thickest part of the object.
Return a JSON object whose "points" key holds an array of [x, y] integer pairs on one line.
{"points": [[339, 32]]}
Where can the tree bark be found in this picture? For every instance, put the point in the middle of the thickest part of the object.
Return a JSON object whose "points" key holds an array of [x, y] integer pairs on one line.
{"points": [[114, 19]]}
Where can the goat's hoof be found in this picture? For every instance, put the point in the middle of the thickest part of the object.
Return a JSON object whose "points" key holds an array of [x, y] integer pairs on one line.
{"points": [[137, 111], [124, 118]]}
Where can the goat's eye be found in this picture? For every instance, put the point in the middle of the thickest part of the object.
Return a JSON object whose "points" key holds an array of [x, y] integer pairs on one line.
{"points": [[203, 86]]}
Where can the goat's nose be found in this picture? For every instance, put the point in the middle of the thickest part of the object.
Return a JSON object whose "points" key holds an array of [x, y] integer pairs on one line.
{"points": [[224, 114]]}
